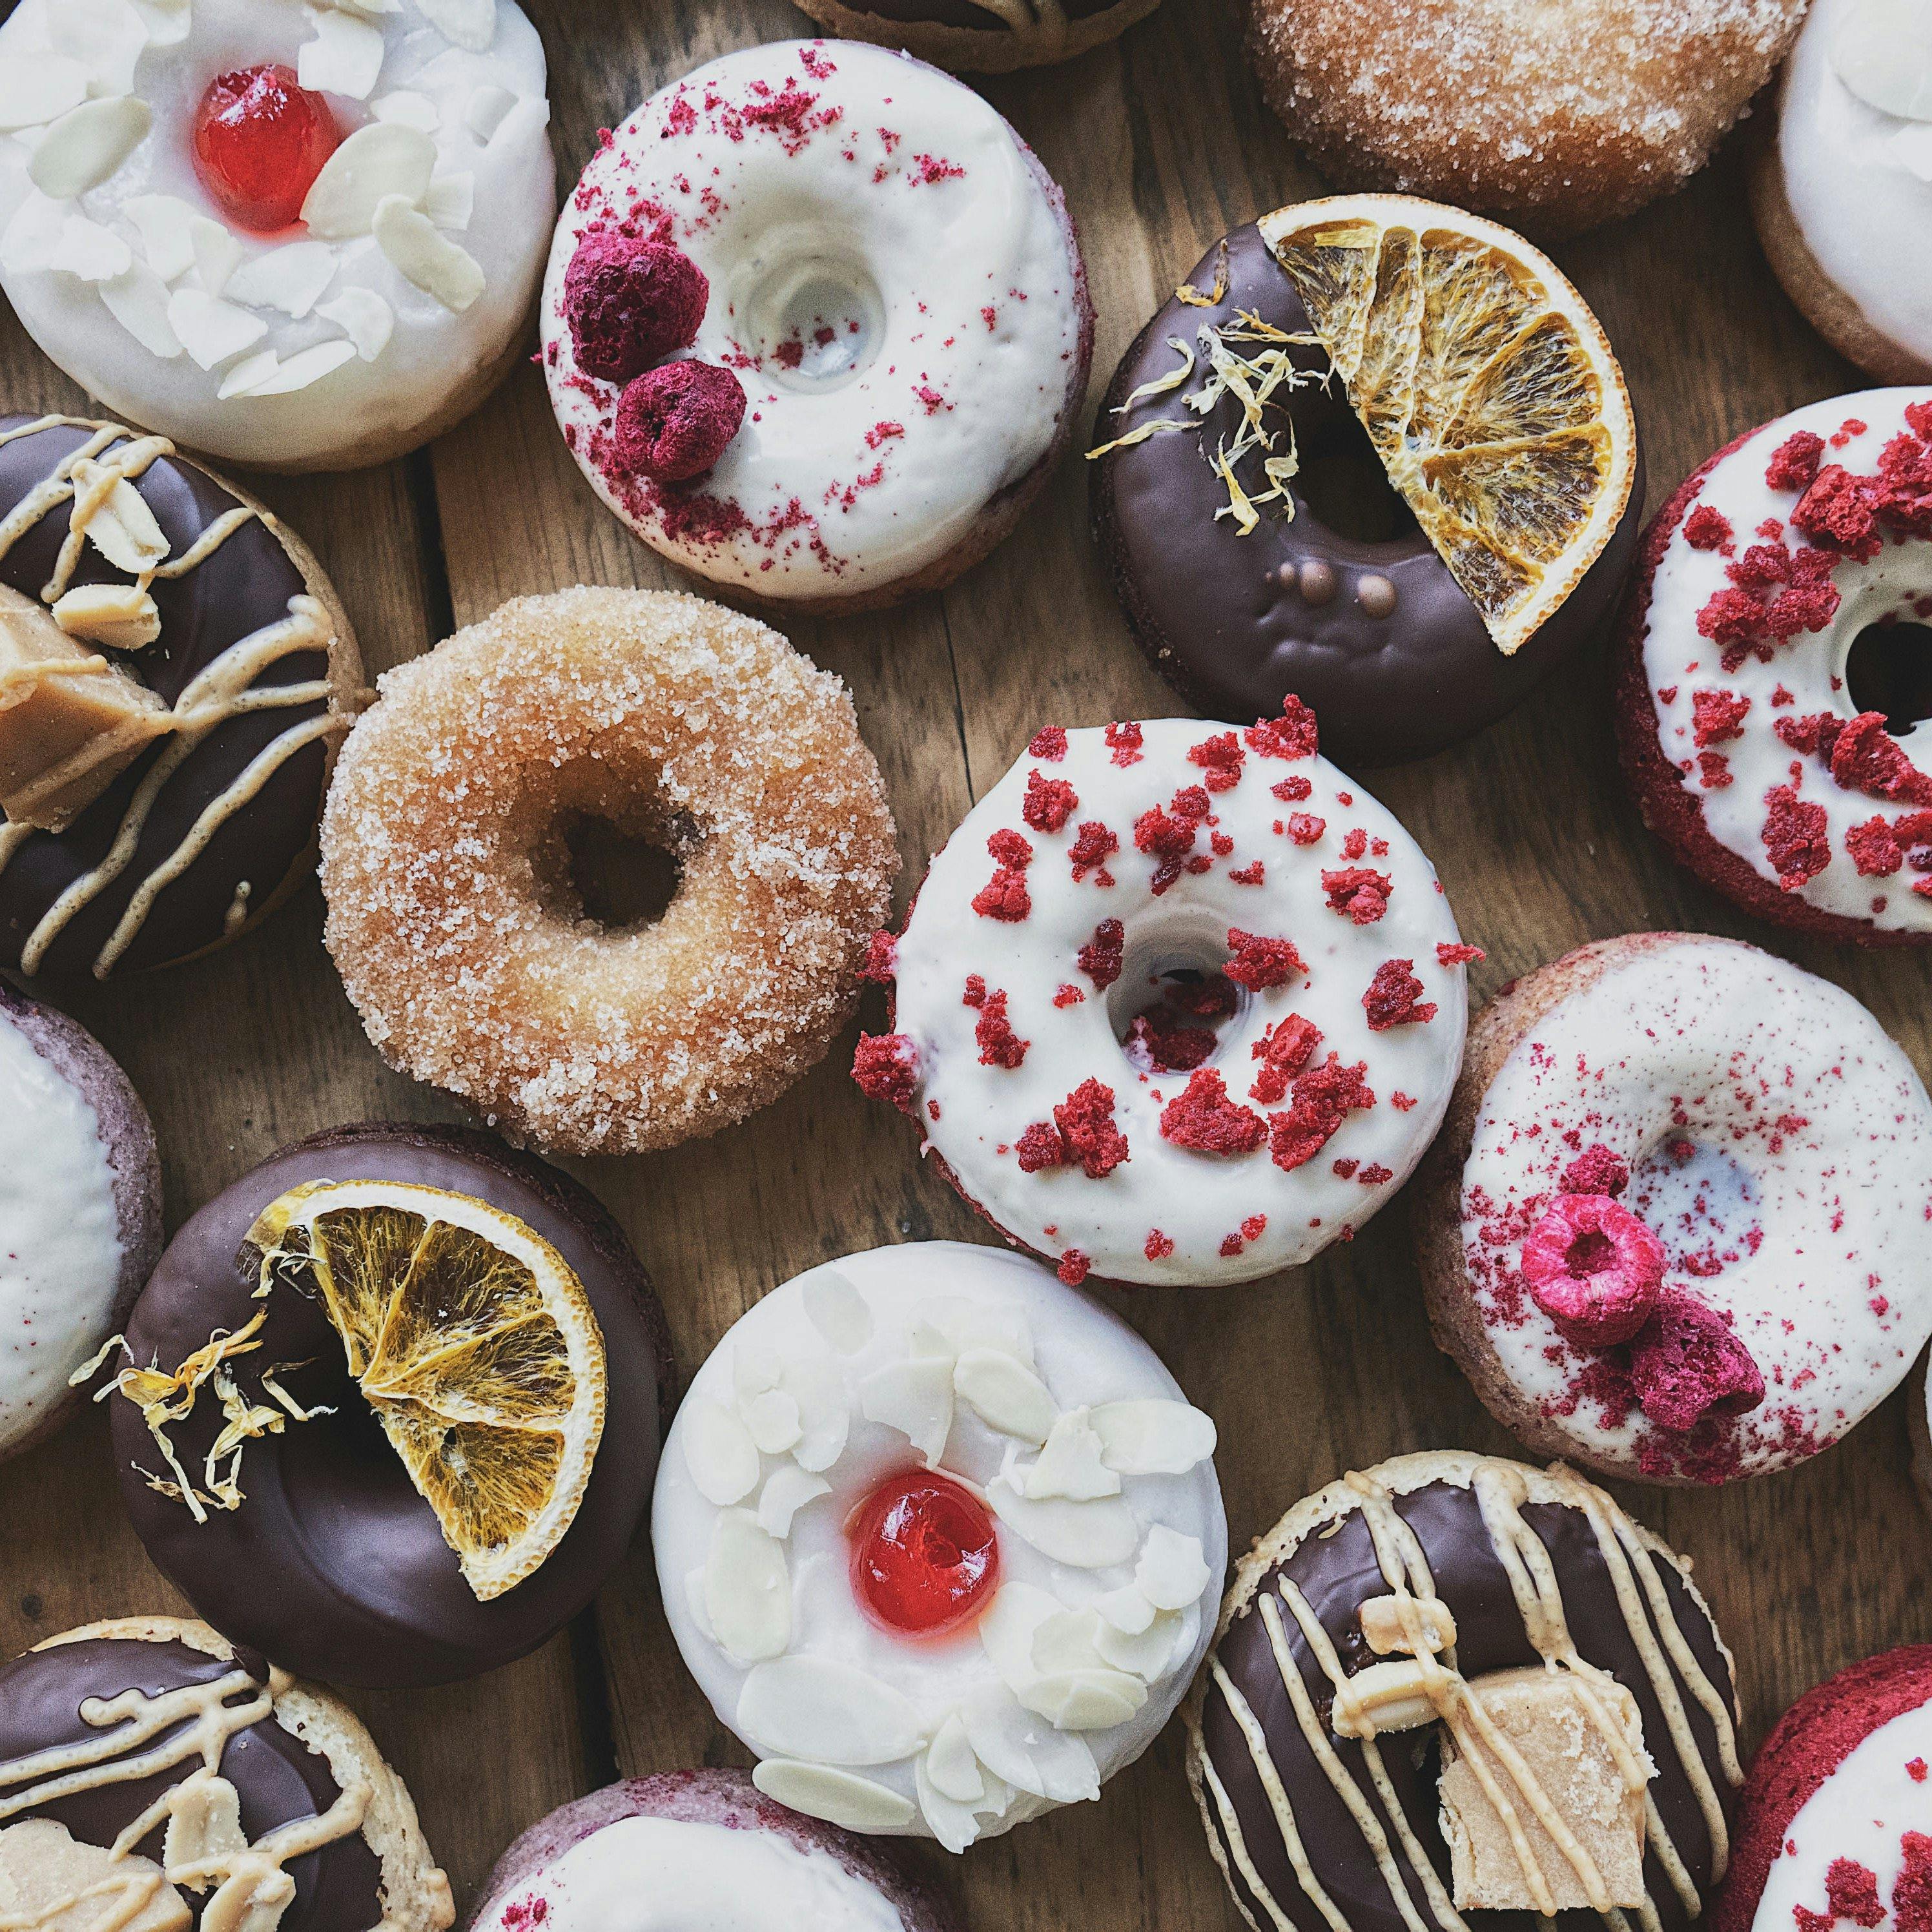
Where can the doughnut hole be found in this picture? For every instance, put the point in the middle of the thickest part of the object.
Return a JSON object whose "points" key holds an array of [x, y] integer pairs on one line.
{"points": [[1342, 480], [1889, 668], [615, 879], [1172, 1008], [809, 311], [1699, 1202]]}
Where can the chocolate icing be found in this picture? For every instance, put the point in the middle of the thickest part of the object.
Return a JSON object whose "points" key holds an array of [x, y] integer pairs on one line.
{"points": [[278, 1778], [1210, 607], [243, 586], [1336, 1573], [333, 1567], [964, 12]]}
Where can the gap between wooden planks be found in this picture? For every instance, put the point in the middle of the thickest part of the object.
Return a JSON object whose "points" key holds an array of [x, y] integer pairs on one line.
{"points": [[1161, 143]]}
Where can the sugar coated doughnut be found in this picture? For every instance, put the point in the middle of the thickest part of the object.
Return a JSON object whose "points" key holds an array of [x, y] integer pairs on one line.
{"points": [[150, 1768], [1833, 1822], [452, 912], [883, 307], [1675, 1226], [940, 1539], [983, 36], [1773, 677], [297, 239], [1563, 116], [720, 1854], [1454, 1683], [1842, 192], [80, 1209], [326, 1542], [176, 673], [1175, 1004]]}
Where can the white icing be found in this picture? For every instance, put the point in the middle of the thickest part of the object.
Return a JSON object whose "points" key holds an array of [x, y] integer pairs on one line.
{"points": [[1860, 1812], [839, 224], [1815, 1225], [1199, 1200], [1810, 666], [1040, 1702], [60, 1236], [402, 329], [1858, 189], [676, 1875]]}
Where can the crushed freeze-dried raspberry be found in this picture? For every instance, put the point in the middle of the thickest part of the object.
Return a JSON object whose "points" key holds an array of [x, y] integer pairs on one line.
{"points": [[1355, 844], [1794, 462], [1596, 1170], [1375, 1173], [1707, 529], [1797, 837], [1220, 758], [1041, 1146], [1874, 849], [1293, 735], [1255, 874], [999, 1045], [1866, 758], [1293, 789], [1100, 959], [1010, 849], [1093, 846], [1686, 1363], [1839, 512], [1068, 995], [1305, 829], [1357, 892], [1594, 1268], [886, 1066], [1205, 1119], [1344, 1169], [1718, 716], [1284, 1050], [1004, 897], [1257, 962], [1456, 954], [1394, 997], [881, 958], [1074, 1267], [1049, 743], [1124, 741], [1049, 803], [1157, 1246], [1323, 1097], [1085, 1119]]}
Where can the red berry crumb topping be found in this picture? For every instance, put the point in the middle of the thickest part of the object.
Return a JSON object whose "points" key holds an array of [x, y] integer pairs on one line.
{"points": [[1049, 803], [1205, 1120], [1100, 959], [1707, 529], [925, 1555], [1085, 1119], [260, 140], [1394, 997], [1358, 892], [887, 1068], [1283, 1051], [1257, 963], [1594, 1268], [1220, 757], [1795, 461], [1457, 954], [1124, 741], [1596, 1170], [675, 422], [1293, 735], [1323, 1098], [999, 1045], [630, 304], [1686, 1363], [1049, 743]]}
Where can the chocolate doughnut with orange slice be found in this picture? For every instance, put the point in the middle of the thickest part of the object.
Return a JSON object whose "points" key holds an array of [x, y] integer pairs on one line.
{"points": [[1376, 453], [389, 1411]]}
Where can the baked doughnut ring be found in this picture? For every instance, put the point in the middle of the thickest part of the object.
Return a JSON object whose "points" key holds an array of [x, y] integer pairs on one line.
{"points": [[1556, 117], [452, 914]]}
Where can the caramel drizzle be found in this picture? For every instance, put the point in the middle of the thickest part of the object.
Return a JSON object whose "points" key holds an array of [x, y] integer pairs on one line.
{"points": [[1500, 1492], [252, 1889], [225, 689]]}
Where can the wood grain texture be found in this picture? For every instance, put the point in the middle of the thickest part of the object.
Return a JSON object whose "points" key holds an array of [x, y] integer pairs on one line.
{"points": [[1161, 143]]}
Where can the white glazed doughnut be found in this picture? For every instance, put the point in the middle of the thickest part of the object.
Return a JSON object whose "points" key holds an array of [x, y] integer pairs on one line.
{"points": [[1747, 1127], [342, 337], [1844, 194], [1013, 1684], [1041, 943], [895, 286], [1777, 620]]}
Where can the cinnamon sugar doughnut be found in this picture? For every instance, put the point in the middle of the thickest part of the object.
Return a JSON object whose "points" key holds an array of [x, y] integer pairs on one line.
{"points": [[467, 949], [1555, 116]]}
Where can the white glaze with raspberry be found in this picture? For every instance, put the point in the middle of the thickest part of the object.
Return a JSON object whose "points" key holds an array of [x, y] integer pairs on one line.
{"points": [[1804, 677], [1229, 1216], [314, 347], [833, 187], [1111, 1540], [1799, 1213]]}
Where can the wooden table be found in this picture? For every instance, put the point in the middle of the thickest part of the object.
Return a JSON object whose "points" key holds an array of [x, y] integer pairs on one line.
{"points": [[1162, 143]]}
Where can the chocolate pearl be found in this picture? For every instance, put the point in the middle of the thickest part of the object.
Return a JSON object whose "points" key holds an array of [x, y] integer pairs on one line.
{"points": [[1376, 596], [1318, 581], [1285, 575]]}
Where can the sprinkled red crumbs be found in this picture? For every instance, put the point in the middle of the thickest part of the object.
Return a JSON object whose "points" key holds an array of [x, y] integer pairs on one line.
{"points": [[1293, 789], [1220, 844], [1866, 758], [1205, 1119], [999, 1045], [1161, 1041], [1168, 835], [975, 990], [1596, 1170], [1293, 735], [1010, 849], [881, 956], [1839, 512], [526, 1912], [1851, 1890], [1068, 995], [1093, 845], [1284, 1050], [1375, 1173], [1403, 1103], [886, 1066], [1257, 962], [1912, 1892], [1797, 837], [1454, 953], [1232, 1245], [1707, 529], [1324, 1096], [1305, 829], [1085, 1119], [1355, 844], [1220, 758], [1049, 803], [1004, 897], [1040, 1147], [1157, 1246], [1345, 1169], [1049, 743], [1874, 849], [882, 432], [1718, 716], [1124, 741], [1358, 892], [1074, 1267], [1915, 1769], [1393, 999], [1100, 959], [1713, 770], [1794, 462], [1249, 875]]}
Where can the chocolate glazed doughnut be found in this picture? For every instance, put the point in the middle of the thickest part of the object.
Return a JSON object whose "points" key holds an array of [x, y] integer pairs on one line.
{"points": [[334, 1564], [251, 676], [982, 36], [1372, 631], [1535, 1567]]}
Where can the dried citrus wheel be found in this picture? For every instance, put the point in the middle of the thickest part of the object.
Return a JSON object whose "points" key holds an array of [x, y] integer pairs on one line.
{"points": [[474, 1344], [1485, 385]]}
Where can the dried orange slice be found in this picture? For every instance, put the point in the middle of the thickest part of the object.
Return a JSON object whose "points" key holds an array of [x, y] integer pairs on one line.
{"points": [[474, 1342], [1487, 386]]}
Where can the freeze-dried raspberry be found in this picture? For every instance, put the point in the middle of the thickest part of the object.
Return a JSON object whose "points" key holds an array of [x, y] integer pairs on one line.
{"points": [[1293, 735], [1718, 716], [1458, 955], [886, 1066], [1283, 1051], [1010, 849], [1220, 758], [1093, 845], [1866, 758], [1257, 963], [1049, 803], [1049, 743], [1324, 1096], [1794, 462], [1686, 1364], [1074, 1267], [1596, 1170], [1205, 1119], [1255, 874], [1838, 512], [1594, 1268], [1157, 1246], [1004, 897], [1359, 893], [1305, 829], [999, 1045], [1355, 844], [1394, 997], [1293, 789], [1124, 741], [1707, 529], [1797, 837], [1085, 1119], [1100, 959], [1040, 1147], [1874, 849]]}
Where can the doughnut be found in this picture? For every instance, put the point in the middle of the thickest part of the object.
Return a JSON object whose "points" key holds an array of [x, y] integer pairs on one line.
{"points": [[1453, 1682], [1333, 592], [293, 239], [939, 1539], [80, 1209], [320, 1547], [1560, 117], [246, 1798], [1832, 1824], [1843, 191], [885, 313], [175, 673], [1772, 674], [720, 1854], [1175, 1004], [454, 919], [1674, 1229], [982, 36]]}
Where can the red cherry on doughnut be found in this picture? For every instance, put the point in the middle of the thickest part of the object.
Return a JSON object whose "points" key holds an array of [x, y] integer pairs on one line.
{"points": [[260, 140], [926, 1558]]}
